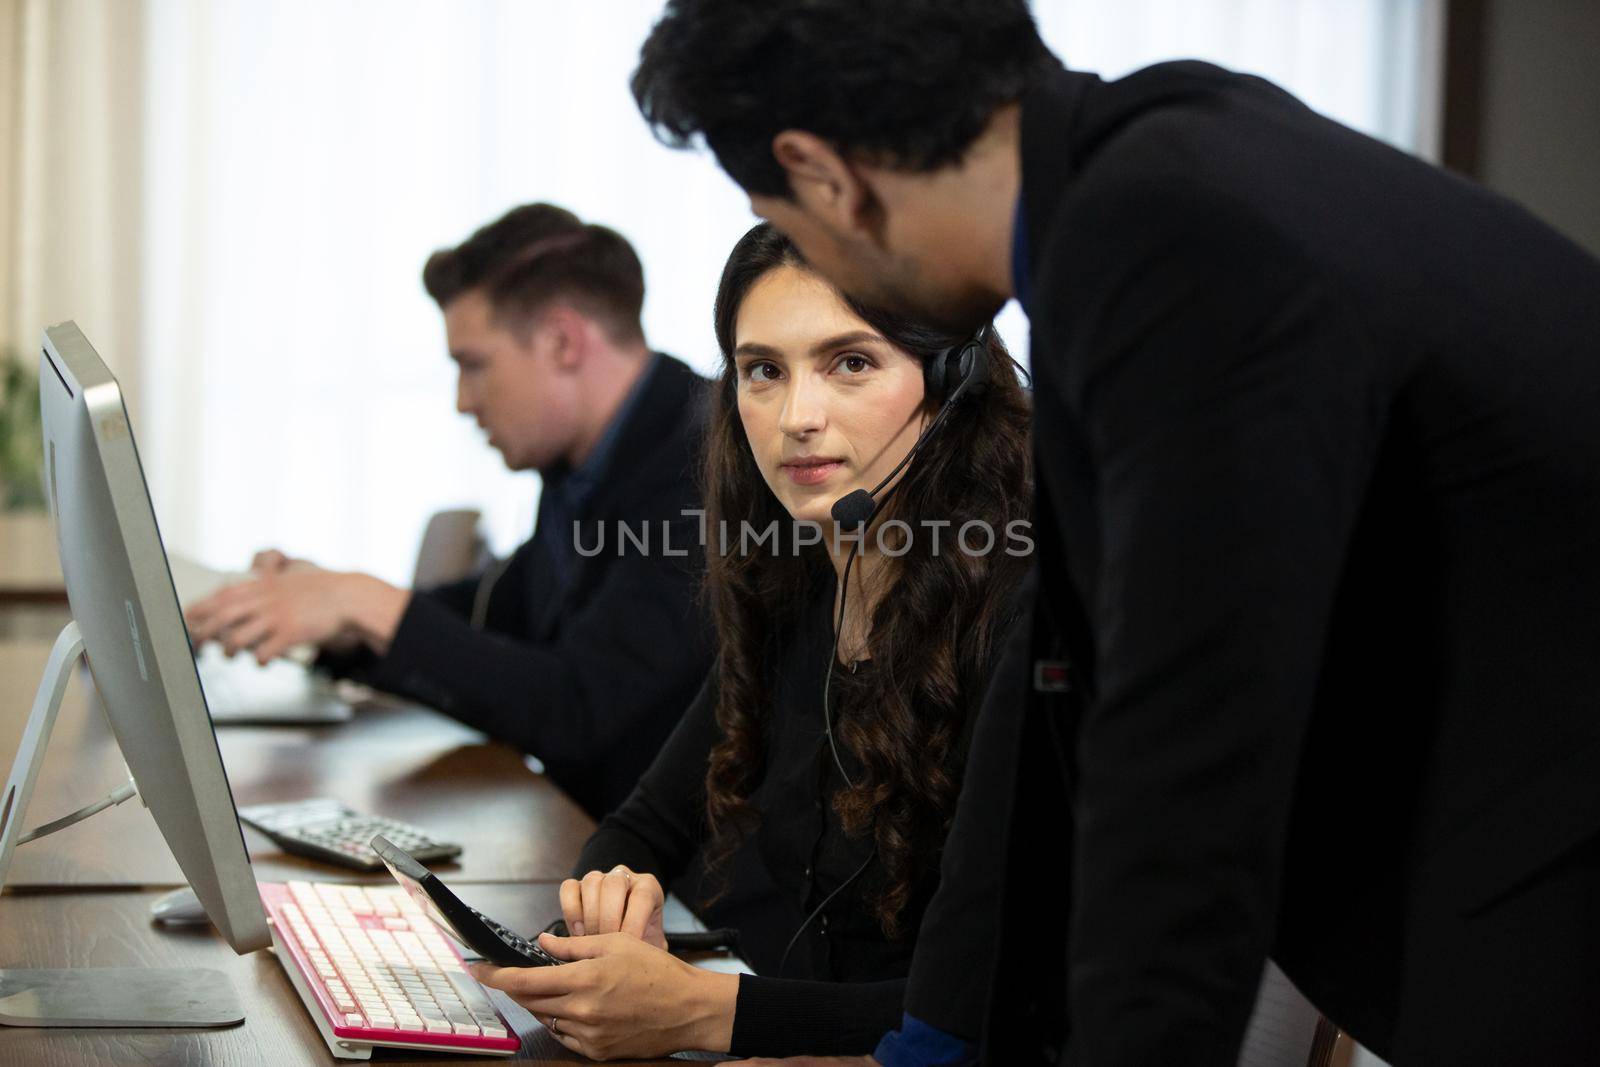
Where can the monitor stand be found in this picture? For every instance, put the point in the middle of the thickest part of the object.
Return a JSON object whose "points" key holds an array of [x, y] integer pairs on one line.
{"points": [[91, 996]]}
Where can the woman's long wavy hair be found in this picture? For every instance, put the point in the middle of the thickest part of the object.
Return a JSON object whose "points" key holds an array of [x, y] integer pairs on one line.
{"points": [[933, 633]]}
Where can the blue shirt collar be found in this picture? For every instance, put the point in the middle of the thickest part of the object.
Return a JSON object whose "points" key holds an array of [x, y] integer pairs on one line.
{"points": [[577, 484]]}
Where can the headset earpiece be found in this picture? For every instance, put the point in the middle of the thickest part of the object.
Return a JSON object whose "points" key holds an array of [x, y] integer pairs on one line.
{"points": [[960, 370]]}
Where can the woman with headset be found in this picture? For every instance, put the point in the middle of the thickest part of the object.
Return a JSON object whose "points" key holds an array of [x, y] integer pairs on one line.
{"points": [[866, 522]]}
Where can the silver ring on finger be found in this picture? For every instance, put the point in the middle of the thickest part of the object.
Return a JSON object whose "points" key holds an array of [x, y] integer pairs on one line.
{"points": [[554, 1027]]}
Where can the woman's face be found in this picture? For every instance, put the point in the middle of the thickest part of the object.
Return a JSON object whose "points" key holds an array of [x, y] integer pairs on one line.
{"points": [[828, 405]]}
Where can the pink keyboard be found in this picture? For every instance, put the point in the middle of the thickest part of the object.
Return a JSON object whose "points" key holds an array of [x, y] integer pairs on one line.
{"points": [[374, 971]]}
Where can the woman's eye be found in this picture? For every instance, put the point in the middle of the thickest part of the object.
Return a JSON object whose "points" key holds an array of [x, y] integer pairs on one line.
{"points": [[760, 372], [854, 364]]}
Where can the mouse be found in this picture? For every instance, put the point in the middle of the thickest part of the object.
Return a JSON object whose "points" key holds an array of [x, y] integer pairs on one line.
{"points": [[179, 908]]}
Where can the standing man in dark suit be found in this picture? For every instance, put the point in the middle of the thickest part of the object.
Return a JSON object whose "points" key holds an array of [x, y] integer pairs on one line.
{"points": [[584, 647], [1318, 438]]}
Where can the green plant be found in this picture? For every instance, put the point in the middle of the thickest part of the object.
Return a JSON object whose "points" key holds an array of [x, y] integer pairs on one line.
{"points": [[21, 447]]}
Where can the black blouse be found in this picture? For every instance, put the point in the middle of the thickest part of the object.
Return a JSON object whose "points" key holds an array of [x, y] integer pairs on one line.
{"points": [[843, 969]]}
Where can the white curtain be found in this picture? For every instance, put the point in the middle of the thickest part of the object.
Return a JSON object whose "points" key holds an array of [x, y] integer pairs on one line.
{"points": [[255, 185], [71, 98], [304, 160]]}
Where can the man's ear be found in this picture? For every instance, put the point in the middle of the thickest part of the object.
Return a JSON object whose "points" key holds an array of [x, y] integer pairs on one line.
{"points": [[827, 186], [566, 334]]}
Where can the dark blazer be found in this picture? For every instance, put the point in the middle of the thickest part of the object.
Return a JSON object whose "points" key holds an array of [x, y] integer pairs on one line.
{"points": [[1318, 433], [590, 666]]}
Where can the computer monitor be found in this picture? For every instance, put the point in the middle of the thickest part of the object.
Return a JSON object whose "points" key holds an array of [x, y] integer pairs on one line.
{"points": [[128, 625]]}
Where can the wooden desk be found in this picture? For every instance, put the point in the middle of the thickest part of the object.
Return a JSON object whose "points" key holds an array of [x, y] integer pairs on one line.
{"points": [[113, 929], [408, 763], [81, 898]]}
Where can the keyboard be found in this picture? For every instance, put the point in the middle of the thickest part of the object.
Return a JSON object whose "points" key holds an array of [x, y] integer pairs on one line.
{"points": [[324, 829], [374, 972], [240, 691]]}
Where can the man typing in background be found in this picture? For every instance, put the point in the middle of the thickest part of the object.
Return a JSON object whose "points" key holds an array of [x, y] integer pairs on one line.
{"points": [[582, 659]]}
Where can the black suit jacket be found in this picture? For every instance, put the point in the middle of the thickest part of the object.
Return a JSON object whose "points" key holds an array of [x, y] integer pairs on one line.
{"points": [[1318, 442], [589, 671]]}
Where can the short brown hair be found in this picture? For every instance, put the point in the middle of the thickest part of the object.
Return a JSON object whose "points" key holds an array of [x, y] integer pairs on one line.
{"points": [[537, 253]]}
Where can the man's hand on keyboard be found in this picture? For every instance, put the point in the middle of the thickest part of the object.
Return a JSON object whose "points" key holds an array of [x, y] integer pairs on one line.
{"points": [[278, 610], [273, 561], [619, 997]]}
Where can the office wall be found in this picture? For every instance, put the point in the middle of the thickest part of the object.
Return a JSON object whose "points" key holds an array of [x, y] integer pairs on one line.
{"points": [[1539, 138]]}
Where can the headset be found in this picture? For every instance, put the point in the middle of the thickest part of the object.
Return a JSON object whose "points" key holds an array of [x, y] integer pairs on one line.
{"points": [[952, 375]]}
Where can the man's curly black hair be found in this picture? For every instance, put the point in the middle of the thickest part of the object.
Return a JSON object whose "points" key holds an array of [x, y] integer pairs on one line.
{"points": [[908, 83]]}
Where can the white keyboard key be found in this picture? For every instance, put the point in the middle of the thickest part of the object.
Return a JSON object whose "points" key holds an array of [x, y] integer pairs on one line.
{"points": [[466, 1029], [441, 1026], [493, 1029], [471, 993], [353, 1019]]}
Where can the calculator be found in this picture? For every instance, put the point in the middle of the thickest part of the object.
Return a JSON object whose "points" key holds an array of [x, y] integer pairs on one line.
{"points": [[324, 829], [467, 925]]}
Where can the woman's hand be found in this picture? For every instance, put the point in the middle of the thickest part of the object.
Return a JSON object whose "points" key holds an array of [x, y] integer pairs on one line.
{"points": [[621, 997], [618, 900]]}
